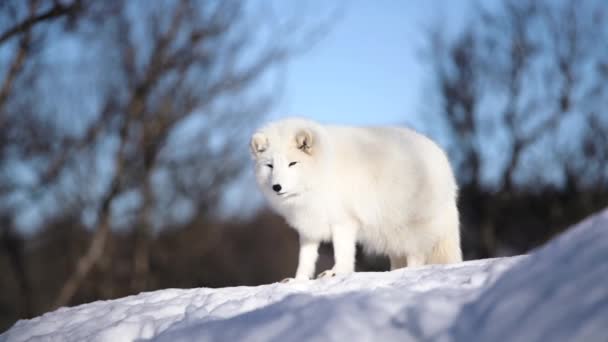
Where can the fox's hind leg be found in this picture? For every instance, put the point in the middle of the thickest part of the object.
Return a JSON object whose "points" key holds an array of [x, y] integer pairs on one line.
{"points": [[415, 260], [411, 260]]}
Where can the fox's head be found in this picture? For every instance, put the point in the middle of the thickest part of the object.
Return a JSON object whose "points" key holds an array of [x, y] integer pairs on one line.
{"points": [[284, 158]]}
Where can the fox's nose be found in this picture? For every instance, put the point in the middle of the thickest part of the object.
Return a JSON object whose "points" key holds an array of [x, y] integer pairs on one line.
{"points": [[276, 187]]}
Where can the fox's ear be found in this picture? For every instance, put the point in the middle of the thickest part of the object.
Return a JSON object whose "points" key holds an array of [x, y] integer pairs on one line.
{"points": [[304, 140], [258, 144]]}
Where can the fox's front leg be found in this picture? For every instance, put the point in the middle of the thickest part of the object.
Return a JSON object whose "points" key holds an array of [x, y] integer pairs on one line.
{"points": [[344, 240], [309, 252]]}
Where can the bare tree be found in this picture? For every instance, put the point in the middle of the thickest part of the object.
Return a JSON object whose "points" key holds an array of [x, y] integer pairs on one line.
{"points": [[18, 21], [138, 119], [182, 61], [515, 88]]}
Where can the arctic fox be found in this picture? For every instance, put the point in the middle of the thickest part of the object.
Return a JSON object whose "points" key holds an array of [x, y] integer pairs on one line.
{"points": [[390, 189]]}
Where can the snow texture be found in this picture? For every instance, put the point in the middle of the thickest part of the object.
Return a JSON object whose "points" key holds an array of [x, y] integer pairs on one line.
{"points": [[558, 293]]}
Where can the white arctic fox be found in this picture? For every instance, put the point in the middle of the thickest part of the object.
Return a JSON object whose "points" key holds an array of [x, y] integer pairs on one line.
{"points": [[390, 189]]}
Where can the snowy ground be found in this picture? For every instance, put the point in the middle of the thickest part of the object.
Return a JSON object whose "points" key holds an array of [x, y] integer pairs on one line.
{"points": [[559, 292]]}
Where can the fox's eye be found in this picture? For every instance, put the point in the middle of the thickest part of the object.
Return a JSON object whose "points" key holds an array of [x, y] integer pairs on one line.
{"points": [[292, 163], [269, 165]]}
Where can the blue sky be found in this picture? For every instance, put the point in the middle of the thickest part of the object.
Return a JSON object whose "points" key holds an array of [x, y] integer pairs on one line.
{"points": [[368, 69]]}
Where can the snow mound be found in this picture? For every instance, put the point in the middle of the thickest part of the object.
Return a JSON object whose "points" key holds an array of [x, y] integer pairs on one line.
{"points": [[557, 293], [560, 293]]}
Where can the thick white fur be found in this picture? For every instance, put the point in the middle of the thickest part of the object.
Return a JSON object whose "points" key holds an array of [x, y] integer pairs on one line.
{"points": [[390, 189]]}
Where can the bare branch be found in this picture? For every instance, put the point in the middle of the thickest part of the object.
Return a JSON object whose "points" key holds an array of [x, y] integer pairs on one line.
{"points": [[58, 10], [14, 69]]}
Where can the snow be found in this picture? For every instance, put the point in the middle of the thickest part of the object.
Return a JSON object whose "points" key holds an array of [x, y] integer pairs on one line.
{"points": [[559, 292]]}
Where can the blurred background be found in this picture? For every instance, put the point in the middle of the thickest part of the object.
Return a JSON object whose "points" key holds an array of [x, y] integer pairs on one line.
{"points": [[124, 129]]}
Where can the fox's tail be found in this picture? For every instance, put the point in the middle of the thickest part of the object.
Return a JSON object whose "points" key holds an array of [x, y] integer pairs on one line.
{"points": [[447, 250]]}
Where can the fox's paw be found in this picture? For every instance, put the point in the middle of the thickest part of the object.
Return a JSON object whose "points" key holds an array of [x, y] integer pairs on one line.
{"points": [[326, 274]]}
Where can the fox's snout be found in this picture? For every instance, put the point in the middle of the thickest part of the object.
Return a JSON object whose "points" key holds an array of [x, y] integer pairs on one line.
{"points": [[277, 187]]}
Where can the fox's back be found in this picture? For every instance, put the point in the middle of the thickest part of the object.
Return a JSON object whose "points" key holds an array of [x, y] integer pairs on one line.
{"points": [[381, 169]]}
